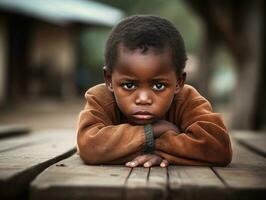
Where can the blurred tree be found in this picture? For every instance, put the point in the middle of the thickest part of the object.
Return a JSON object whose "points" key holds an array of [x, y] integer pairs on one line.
{"points": [[238, 25], [175, 10]]}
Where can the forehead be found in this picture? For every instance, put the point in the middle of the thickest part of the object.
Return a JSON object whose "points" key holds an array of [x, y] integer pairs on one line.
{"points": [[144, 65]]}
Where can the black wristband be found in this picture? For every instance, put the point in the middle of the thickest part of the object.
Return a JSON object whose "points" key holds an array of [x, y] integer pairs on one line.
{"points": [[149, 145]]}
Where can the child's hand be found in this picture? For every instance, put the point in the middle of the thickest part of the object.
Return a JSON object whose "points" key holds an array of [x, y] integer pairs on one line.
{"points": [[161, 126], [148, 160]]}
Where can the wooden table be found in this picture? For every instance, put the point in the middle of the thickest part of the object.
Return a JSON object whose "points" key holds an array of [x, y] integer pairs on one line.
{"points": [[44, 165]]}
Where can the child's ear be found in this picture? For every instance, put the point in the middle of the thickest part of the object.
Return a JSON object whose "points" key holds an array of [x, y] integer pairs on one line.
{"points": [[180, 82], [108, 78]]}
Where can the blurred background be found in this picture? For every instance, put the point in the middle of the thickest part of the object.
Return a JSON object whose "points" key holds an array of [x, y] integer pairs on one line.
{"points": [[51, 51]]}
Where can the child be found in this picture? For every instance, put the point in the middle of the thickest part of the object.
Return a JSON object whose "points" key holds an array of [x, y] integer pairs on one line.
{"points": [[144, 115]]}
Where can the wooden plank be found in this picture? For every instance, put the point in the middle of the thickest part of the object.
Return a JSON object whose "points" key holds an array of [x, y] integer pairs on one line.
{"points": [[72, 179], [33, 138], [147, 183], [191, 182], [20, 165], [246, 175], [136, 185], [255, 141], [158, 182], [13, 130]]}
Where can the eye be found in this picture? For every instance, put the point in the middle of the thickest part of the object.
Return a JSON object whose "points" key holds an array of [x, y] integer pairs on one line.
{"points": [[158, 86], [129, 86]]}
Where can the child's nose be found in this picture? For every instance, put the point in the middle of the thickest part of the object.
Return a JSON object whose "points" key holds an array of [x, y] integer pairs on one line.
{"points": [[143, 98]]}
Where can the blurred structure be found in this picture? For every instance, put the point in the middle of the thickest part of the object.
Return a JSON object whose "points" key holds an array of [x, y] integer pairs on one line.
{"points": [[55, 48], [39, 52], [239, 26]]}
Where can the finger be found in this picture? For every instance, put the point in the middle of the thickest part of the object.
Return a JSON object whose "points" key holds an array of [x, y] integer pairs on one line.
{"points": [[164, 163], [128, 163], [139, 160], [153, 161], [131, 164]]}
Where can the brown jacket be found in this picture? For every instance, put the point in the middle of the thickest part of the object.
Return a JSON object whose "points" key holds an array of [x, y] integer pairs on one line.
{"points": [[102, 139]]}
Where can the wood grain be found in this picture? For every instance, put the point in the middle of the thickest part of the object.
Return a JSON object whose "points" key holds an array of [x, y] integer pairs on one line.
{"points": [[253, 140], [13, 130], [72, 179], [20, 164], [246, 175], [191, 182], [147, 183]]}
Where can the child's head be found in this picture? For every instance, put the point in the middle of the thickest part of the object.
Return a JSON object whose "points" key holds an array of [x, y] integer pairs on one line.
{"points": [[145, 58], [144, 32]]}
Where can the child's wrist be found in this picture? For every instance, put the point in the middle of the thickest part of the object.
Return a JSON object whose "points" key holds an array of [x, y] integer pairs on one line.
{"points": [[161, 126], [149, 141], [158, 128]]}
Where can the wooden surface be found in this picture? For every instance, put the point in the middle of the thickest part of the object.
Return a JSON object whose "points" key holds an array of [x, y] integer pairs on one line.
{"points": [[255, 141], [23, 158], [13, 130], [245, 177], [146, 183], [71, 179], [67, 177], [187, 182]]}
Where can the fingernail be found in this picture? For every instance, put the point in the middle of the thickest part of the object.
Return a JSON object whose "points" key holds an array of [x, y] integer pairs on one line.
{"points": [[132, 164], [147, 164], [163, 165]]}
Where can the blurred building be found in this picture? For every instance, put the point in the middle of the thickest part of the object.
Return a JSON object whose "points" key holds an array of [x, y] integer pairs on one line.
{"points": [[38, 44]]}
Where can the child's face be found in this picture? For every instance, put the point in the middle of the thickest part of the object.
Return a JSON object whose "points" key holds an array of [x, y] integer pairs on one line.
{"points": [[144, 85]]}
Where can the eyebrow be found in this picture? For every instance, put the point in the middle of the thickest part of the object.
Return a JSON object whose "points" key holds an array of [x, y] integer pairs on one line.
{"points": [[156, 79], [160, 78], [129, 78]]}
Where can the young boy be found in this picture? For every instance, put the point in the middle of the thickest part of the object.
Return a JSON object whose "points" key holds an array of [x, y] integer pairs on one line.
{"points": [[144, 115]]}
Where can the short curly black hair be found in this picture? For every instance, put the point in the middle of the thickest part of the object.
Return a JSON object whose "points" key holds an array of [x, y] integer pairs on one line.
{"points": [[142, 32]]}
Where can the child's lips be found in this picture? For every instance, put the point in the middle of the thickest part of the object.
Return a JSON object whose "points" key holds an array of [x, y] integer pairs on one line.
{"points": [[143, 115]]}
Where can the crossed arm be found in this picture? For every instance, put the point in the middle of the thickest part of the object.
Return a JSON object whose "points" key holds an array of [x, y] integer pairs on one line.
{"points": [[202, 139], [148, 160]]}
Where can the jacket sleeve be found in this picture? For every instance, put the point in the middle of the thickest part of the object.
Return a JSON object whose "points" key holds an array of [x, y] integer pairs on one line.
{"points": [[101, 142], [204, 139]]}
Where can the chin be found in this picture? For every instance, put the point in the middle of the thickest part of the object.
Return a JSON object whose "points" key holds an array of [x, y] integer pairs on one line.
{"points": [[141, 122]]}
